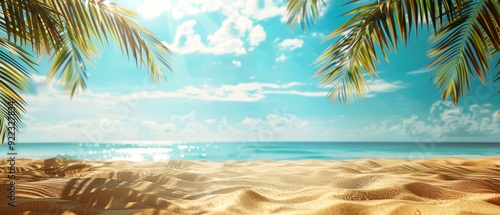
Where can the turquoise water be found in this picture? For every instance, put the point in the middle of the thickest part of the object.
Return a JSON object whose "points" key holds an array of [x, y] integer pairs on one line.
{"points": [[254, 150]]}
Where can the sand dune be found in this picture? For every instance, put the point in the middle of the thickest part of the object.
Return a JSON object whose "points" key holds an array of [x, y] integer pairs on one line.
{"points": [[434, 186]]}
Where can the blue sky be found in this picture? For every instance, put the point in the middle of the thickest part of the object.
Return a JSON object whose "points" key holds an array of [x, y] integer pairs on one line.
{"points": [[241, 75]]}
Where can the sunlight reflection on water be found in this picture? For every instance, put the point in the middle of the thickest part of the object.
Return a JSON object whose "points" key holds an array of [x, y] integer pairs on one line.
{"points": [[261, 151]]}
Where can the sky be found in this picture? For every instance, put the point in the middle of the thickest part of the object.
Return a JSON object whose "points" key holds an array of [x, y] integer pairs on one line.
{"points": [[239, 74]]}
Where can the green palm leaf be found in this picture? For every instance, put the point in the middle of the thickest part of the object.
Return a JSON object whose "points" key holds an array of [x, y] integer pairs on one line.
{"points": [[30, 22], [464, 47], [466, 34], [69, 32], [13, 78], [303, 12], [103, 22], [373, 27], [69, 61]]}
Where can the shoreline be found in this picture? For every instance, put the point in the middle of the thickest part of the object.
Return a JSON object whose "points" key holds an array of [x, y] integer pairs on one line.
{"points": [[365, 186]]}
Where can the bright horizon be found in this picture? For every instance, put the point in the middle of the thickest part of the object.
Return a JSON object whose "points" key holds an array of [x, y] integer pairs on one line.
{"points": [[241, 75]]}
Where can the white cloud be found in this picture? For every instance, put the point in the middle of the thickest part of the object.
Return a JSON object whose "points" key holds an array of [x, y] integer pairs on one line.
{"points": [[378, 86], [188, 128], [291, 44], [181, 8], [159, 129], [382, 86], [277, 126], [299, 93], [88, 117], [186, 40], [239, 14], [419, 71], [78, 130], [281, 58], [316, 34], [193, 7], [270, 9], [257, 35], [242, 92], [41, 94], [236, 63], [105, 117], [444, 121], [225, 40], [151, 9]]}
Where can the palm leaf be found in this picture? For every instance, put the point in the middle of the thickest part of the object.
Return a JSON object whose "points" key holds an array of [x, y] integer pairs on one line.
{"points": [[464, 47], [13, 78], [466, 33], [303, 12], [30, 22], [69, 62], [147, 50], [373, 28], [103, 22], [66, 30]]}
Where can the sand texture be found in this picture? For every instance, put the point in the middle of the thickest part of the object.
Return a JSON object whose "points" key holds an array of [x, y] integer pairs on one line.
{"points": [[368, 186]]}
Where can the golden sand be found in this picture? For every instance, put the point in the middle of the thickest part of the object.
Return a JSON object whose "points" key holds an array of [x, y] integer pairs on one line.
{"points": [[369, 186]]}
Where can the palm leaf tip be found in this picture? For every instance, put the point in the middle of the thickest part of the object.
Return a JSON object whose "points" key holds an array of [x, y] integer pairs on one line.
{"points": [[14, 78], [70, 32], [354, 53], [103, 22], [305, 12], [464, 47], [466, 36]]}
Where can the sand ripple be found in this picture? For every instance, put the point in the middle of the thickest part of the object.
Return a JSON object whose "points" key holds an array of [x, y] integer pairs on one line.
{"points": [[434, 186]]}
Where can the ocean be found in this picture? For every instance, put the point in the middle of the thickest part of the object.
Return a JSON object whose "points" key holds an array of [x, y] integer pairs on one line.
{"points": [[254, 150]]}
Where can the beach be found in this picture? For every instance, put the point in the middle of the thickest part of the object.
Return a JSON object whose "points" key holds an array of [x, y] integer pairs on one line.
{"points": [[364, 186]]}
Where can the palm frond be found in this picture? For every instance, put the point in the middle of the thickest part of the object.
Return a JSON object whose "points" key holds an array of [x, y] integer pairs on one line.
{"points": [[30, 22], [373, 27], [69, 63], [104, 22], [147, 50], [466, 33], [464, 47], [66, 30], [13, 78], [303, 12]]}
